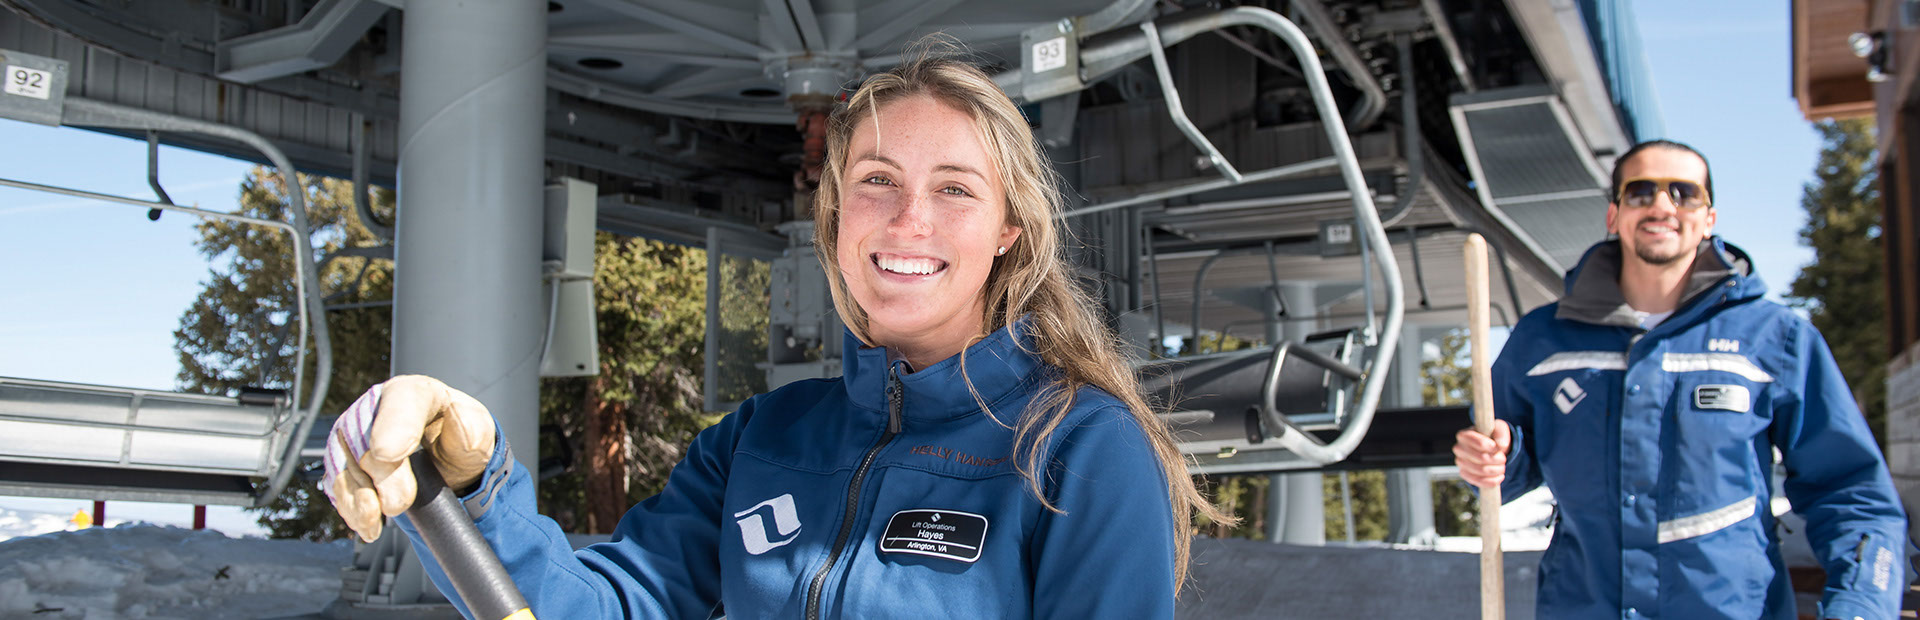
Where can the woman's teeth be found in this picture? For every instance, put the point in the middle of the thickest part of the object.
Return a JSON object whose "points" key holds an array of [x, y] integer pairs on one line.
{"points": [[910, 266]]}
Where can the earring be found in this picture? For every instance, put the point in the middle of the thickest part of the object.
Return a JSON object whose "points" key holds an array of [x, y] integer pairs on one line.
{"points": [[1003, 250]]}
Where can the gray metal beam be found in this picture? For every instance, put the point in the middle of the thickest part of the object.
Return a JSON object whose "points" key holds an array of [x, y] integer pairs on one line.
{"points": [[690, 18], [897, 18], [318, 40]]}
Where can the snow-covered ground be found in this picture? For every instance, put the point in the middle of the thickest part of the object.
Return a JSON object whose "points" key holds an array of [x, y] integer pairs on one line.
{"points": [[142, 570], [1525, 525]]}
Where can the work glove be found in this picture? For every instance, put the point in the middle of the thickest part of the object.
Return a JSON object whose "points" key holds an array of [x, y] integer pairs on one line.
{"points": [[1483, 459], [367, 476]]}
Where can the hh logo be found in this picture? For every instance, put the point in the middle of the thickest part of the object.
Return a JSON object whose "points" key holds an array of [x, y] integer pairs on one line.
{"points": [[1568, 395], [1723, 345], [753, 527]]}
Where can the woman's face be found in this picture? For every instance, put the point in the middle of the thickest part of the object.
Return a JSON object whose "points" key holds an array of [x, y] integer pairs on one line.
{"points": [[922, 217]]}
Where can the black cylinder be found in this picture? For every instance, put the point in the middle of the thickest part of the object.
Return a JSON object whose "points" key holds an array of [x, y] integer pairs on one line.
{"points": [[448, 531]]}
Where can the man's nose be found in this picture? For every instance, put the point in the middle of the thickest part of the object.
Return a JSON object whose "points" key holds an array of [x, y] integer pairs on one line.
{"points": [[1663, 203]]}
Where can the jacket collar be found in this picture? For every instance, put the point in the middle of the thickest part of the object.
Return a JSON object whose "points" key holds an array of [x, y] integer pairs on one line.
{"points": [[1003, 361], [1593, 287]]}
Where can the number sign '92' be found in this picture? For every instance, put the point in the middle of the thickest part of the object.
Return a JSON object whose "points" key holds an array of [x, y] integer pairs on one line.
{"points": [[29, 82]]}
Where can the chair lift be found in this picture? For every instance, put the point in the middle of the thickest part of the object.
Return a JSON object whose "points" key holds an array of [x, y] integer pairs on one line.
{"points": [[81, 441], [1294, 405]]}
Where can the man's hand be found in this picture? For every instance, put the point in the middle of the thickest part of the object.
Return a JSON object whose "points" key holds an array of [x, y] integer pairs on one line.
{"points": [[1483, 459], [367, 476]]}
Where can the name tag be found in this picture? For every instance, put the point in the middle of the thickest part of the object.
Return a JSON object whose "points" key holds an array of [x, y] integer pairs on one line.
{"points": [[946, 534], [1723, 397]]}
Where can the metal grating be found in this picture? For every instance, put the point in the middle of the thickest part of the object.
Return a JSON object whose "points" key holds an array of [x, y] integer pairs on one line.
{"points": [[1565, 227], [1533, 170], [1523, 152]]}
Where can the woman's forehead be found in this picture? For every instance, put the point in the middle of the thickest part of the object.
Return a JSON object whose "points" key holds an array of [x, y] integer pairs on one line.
{"points": [[922, 131]]}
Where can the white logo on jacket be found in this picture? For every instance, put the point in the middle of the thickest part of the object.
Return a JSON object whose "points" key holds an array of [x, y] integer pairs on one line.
{"points": [[1568, 395], [1723, 345], [753, 527]]}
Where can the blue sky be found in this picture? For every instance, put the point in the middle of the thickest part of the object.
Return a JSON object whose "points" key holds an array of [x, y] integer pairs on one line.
{"points": [[94, 290]]}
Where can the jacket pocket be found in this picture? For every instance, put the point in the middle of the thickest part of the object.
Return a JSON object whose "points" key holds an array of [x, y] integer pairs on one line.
{"points": [[1874, 566]]}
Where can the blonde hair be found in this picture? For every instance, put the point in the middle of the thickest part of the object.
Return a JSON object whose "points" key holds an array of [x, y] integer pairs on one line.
{"points": [[1031, 279]]}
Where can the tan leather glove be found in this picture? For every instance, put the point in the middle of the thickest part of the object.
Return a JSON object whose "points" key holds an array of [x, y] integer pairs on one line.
{"points": [[367, 475]]}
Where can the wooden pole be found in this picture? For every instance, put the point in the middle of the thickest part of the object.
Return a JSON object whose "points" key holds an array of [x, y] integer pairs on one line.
{"points": [[1492, 570]]}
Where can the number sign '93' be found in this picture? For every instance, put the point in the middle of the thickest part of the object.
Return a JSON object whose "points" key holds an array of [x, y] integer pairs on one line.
{"points": [[29, 82], [1050, 54]]}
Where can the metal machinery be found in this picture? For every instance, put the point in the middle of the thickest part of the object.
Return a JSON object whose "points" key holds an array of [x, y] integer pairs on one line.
{"points": [[1235, 179]]}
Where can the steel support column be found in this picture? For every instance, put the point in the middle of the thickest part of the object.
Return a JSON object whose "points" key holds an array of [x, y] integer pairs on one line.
{"points": [[467, 301], [1409, 491], [1296, 508]]}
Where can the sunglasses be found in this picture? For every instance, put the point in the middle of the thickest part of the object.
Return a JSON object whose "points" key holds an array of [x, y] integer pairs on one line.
{"points": [[1684, 194]]}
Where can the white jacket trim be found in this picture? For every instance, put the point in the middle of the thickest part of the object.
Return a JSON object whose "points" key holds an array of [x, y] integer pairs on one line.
{"points": [[1707, 522], [1729, 362], [1580, 360]]}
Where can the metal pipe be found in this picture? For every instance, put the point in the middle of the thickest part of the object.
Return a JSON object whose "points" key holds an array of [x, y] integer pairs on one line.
{"points": [[1373, 101], [1366, 290], [1098, 58], [1199, 278], [1178, 112], [1419, 275], [1194, 188], [153, 174], [1443, 30], [87, 112], [150, 204], [1110, 17], [1346, 503], [1273, 272], [1159, 320], [361, 154], [1410, 139], [1497, 309], [711, 373]]}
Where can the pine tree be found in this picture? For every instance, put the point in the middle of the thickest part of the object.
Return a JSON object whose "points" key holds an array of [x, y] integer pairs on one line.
{"points": [[631, 424], [243, 328], [1843, 290]]}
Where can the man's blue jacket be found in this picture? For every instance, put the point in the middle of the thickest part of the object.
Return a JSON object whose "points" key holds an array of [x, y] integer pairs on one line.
{"points": [[880, 494], [1659, 447]]}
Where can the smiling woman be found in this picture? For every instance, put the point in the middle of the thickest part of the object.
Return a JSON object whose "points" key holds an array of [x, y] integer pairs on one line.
{"points": [[986, 444]]}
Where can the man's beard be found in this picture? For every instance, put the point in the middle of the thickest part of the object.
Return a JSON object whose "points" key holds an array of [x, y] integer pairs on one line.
{"points": [[1652, 256]]}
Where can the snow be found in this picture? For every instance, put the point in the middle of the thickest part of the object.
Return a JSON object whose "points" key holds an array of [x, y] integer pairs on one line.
{"points": [[140, 570], [1525, 525]]}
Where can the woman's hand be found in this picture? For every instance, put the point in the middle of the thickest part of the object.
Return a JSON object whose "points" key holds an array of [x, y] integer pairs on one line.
{"points": [[1483, 459], [367, 476]]}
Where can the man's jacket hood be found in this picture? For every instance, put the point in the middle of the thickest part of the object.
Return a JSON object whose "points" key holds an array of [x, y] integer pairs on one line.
{"points": [[1593, 286]]}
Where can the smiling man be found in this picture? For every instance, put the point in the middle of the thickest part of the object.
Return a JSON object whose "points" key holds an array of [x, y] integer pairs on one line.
{"points": [[1653, 399]]}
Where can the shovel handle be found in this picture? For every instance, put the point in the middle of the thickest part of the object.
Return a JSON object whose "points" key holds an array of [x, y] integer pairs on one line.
{"points": [[1492, 568], [448, 531]]}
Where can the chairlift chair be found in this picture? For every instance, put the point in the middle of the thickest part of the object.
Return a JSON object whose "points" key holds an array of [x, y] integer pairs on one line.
{"points": [[73, 440]]}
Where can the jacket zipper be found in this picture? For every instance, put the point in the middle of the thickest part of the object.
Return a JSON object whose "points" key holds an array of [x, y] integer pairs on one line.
{"points": [[853, 493]]}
